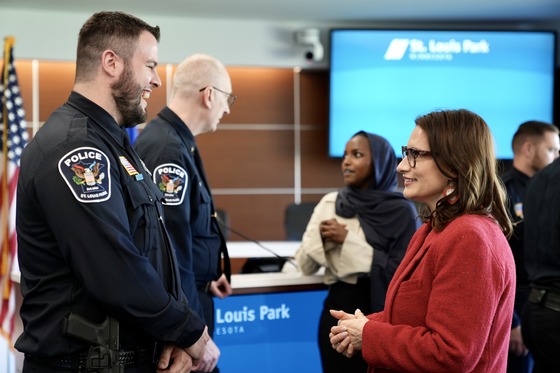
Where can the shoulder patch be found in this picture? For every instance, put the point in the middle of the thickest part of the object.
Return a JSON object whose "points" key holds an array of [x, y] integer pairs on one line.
{"points": [[172, 180], [87, 173]]}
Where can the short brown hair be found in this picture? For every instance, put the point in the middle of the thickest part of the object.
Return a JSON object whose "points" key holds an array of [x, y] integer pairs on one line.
{"points": [[108, 30], [529, 130]]}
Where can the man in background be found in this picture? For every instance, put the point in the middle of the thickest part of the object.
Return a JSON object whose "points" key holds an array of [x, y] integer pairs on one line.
{"points": [[541, 315], [535, 145], [200, 96], [98, 274]]}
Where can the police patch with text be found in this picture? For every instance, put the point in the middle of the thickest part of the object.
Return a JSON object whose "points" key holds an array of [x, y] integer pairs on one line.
{"points": [[86, 171], [172, 181]]}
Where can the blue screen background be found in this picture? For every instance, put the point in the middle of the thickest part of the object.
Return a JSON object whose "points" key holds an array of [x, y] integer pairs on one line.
{"points": [[512, 83], [270, 343]]}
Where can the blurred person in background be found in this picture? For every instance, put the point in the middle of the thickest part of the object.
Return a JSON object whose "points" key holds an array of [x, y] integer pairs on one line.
{"points": [[359, 235], [535, 145], [540, 318]]}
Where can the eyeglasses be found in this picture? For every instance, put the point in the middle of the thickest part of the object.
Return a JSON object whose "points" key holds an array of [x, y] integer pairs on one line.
{"points": [[230, 97], [411, 154]]}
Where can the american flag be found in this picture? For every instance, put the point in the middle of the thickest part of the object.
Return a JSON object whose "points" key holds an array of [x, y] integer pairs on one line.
{"points": [[14, 137]]}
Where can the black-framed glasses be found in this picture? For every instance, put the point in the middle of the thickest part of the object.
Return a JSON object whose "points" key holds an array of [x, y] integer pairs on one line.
{"points": [[411, 154], [230, 97]]}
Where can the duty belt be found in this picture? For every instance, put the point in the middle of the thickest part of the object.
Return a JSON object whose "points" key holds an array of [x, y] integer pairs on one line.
{"points": [[83, 362], [204, 286], [546, 298]]}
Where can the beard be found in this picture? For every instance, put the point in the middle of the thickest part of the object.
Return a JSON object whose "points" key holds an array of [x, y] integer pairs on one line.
{"points": [[128, 97]]}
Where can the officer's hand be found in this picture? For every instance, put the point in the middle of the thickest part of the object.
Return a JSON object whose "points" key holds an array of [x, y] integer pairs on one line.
{"points": [[221, 287], [210, 359], [174, 359], [516, 344], [196, 351]]}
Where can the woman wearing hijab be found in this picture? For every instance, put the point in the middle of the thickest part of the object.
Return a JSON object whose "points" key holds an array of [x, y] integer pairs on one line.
{"points": [[359, 234]]}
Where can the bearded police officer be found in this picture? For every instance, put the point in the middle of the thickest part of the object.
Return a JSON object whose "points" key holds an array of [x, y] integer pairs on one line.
{"points": [[99, 276]]}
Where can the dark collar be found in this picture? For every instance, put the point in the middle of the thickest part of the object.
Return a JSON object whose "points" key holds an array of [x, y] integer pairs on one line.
{"points": [[515, 174], [98, 115], [180, 127]]}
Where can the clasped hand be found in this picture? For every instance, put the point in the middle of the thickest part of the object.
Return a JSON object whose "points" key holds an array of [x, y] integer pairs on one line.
{"points": [[175, 359], [346, 337], [333, 231]]}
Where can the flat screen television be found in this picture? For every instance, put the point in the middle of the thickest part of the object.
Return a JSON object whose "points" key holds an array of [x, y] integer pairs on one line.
{"points": [[381, 80]]}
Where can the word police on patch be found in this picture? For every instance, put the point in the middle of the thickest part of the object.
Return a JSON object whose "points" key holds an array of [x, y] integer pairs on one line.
{"points": [[87, 173], [172, 181]]}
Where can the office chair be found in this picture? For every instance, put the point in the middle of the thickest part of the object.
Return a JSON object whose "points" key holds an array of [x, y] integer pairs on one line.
{"points": [[296, 217]]}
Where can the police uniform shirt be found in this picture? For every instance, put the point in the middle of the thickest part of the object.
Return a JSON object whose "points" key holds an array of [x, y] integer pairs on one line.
{"points": [[515, 182], [168, 148], [90, 238]]}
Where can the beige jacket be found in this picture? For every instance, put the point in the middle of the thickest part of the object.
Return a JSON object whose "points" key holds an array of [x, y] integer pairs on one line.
{"points": [[342, 262]]}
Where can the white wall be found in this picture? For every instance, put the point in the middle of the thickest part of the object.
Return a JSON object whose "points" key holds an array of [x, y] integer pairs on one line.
{"points": [[53, 36]]}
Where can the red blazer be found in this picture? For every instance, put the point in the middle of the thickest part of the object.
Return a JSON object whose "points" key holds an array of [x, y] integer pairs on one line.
{"points": [[449, 305]]}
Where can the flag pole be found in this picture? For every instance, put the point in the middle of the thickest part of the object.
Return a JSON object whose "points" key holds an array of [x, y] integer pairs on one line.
{"points": [[4, 260]]}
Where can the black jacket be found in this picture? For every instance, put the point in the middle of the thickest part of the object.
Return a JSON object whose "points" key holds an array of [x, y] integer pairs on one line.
{"points": [[169, 150], [516, 182], [90, 238], [542, 228]]}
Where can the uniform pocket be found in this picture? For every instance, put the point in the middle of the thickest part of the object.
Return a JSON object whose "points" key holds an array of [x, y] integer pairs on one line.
{"points": [[142, 215]]}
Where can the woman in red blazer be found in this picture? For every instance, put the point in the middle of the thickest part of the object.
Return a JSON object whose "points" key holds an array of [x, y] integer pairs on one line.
{"points": [[450, 302]]}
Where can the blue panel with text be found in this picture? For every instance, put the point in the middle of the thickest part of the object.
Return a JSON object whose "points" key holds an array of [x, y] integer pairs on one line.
{"points": [[381, 80], [269, 333]]}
